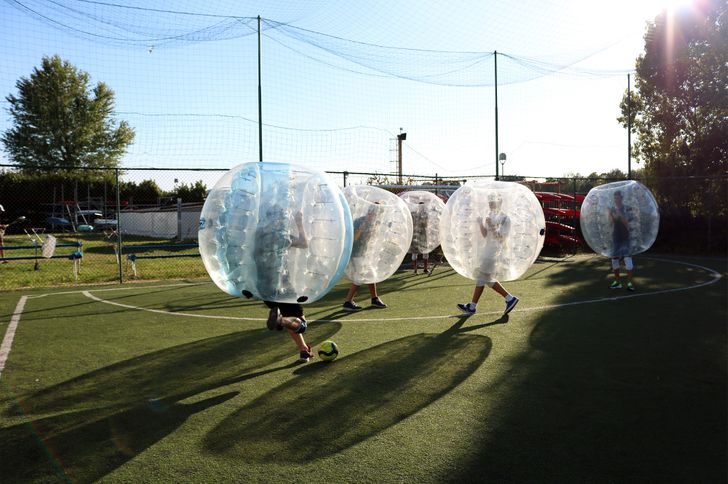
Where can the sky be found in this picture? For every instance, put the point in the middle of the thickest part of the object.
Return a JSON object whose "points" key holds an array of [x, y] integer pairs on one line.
{"points": [[340, 80]]}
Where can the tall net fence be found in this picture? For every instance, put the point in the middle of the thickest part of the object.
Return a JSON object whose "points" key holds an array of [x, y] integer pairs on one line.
{"points": [[206, 87], [139, 224], [186, 80]]}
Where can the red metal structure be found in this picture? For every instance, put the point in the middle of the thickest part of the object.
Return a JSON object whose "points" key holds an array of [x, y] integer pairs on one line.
{"points": [[562, 217]]}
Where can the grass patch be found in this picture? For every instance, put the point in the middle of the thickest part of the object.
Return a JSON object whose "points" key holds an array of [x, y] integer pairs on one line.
{"points": [[99, 263], [159, 383]]}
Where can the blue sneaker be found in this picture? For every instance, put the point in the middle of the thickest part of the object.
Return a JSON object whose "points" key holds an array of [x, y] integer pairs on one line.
{"points": [[466, 308], [510, 305]]}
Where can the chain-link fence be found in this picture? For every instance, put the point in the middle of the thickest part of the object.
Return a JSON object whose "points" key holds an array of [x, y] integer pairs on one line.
{"points": [[121, 225]]}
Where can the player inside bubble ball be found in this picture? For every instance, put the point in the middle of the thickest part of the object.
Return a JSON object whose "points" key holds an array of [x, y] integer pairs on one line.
{"points": [[364, 228], [419, 236], [494, 228], [619, 215], [271, 241]]}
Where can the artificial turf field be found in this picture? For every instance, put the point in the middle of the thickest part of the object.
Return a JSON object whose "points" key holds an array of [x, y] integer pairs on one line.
{"points": [[178, 382]]}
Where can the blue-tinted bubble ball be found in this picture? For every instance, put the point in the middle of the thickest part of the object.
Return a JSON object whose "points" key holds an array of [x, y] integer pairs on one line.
{"points": [[620, 219], [382, 233], [426, 209], [275, 231], [492, 230]]}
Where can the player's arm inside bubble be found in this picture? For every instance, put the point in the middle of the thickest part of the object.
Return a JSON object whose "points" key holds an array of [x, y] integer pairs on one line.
{"points": [[301, 241], [503, 228], [481, 226]]}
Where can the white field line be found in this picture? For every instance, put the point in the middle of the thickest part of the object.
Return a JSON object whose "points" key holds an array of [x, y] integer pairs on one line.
{"points": [[715, 277], [124, 288], [10, 333], [171, 313]]}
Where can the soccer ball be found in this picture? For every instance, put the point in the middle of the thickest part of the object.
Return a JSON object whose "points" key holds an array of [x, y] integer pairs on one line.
{"points": [[328, 351]]}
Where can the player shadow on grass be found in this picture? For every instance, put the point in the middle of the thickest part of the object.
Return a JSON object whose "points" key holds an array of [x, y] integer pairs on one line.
{"points": [[85, 446], [614, 391], [351, 399], [171, 373], [458, 326], [105, 417]]}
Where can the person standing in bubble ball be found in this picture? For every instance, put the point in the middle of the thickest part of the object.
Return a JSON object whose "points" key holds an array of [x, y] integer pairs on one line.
{"points": [[363, 230], [494, 228], [273, 239], [618, 214], [419, 225]]}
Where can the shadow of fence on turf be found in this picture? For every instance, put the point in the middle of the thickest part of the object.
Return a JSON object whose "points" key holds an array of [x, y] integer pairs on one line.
{"points": [[350, 400], [106, 417], [625, 390]]}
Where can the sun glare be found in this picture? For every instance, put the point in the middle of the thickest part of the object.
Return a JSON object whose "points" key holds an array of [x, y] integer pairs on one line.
{"points": [[670, 5]]}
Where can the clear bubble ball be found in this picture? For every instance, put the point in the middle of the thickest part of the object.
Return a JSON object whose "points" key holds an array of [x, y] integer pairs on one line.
{"points": [[382, 233], [492, 230], [426, 209], [275, 231], [620, 219]]}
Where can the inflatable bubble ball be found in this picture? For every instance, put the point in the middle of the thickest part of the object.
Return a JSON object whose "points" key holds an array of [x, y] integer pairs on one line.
{"points": [[426, 209], [619, 219], [492, 231], [382, 233], [275, 231]]}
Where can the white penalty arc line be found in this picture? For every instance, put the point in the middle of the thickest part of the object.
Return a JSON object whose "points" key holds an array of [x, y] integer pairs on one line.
{"points": [[10, 333], [125, 288], [715, 277], [171, 313]]}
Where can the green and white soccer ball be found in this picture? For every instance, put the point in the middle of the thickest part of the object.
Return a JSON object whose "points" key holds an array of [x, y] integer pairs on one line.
{"points": [[328, 351]]}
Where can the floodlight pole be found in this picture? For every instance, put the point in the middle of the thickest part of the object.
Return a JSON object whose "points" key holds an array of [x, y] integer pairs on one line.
{"points": [[495, 83], [260, 103], [400, 137]]}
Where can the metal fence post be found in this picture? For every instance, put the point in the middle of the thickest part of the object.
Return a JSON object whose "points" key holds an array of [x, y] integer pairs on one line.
{"points": [[179, 218], [118, 227]]}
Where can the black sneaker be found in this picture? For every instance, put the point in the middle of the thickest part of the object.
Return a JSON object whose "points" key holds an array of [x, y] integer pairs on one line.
{"points": [[510, 305], [305, 355], [274, 319], [466, 309], [351, 306], [378, 303]]}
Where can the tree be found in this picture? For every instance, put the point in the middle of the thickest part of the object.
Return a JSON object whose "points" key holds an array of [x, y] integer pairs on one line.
{"points": [[680, 109], [145, 192], [196, 192], [60, 121]]}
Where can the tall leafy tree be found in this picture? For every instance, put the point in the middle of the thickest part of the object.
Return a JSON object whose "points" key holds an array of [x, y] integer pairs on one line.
{"points": [[680, 109], [59, 120]]}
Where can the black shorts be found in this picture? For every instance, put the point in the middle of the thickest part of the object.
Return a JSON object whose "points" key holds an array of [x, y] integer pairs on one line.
{"points": [[287, 309]]}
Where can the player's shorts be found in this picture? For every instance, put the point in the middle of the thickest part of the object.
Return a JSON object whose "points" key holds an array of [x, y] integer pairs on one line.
{"points": [[287, 309]]}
